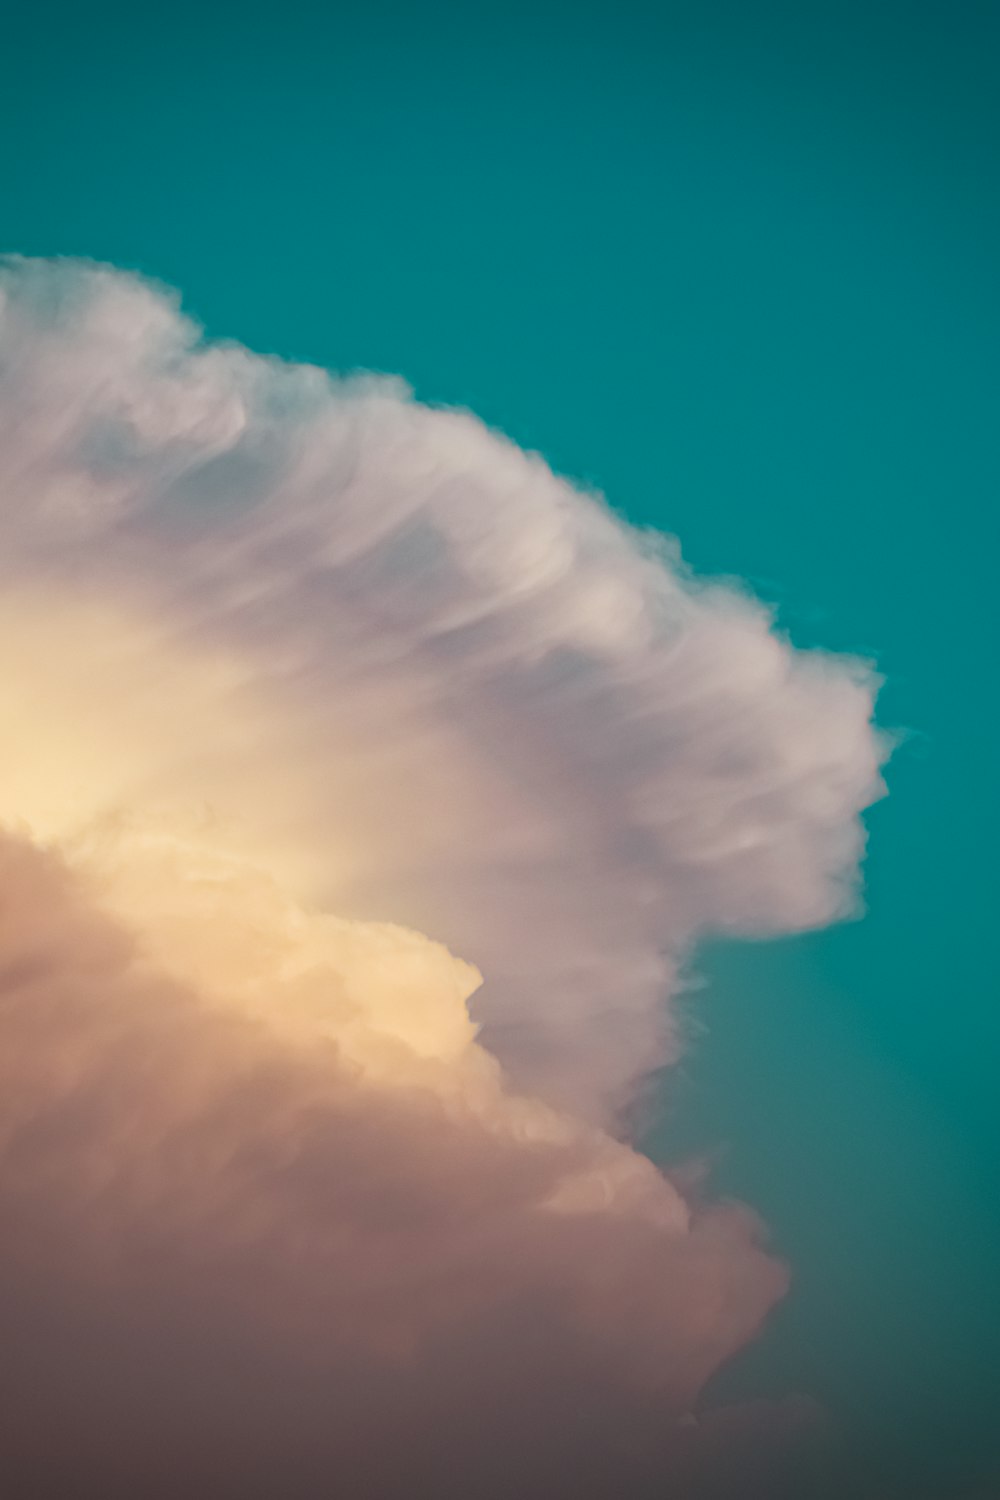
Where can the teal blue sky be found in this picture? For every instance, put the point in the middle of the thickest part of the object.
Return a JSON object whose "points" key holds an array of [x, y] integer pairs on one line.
{"points": [[735, 265]]}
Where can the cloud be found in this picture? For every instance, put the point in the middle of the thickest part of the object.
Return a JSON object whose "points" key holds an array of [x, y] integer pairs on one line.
{"points": [[293, 670]]}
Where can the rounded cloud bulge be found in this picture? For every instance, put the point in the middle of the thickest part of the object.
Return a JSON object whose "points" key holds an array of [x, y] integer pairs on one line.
{"points": [[294, 670]]}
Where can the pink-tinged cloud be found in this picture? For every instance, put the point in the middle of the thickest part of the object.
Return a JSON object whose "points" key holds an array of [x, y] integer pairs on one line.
{"points": [[293, 670]]}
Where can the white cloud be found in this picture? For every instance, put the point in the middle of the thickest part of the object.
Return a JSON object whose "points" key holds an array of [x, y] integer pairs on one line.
{"points": [[284, 660]]}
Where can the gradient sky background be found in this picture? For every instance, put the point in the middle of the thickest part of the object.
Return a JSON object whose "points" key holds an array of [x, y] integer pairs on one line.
{"points": [[735, 265]]}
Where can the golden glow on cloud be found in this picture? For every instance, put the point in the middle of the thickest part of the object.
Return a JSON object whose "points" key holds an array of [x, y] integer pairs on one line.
{"points": [[132, 759]]}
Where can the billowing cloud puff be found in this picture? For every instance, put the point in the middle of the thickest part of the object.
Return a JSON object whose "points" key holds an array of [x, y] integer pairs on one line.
{"points": [[293, 670]]}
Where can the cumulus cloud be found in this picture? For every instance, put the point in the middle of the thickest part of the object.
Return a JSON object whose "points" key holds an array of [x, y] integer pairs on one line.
{"points": [[292, 671]]}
